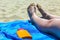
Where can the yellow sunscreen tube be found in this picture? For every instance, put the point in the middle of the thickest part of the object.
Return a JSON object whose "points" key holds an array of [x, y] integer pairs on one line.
{"points": [[23, 34]]}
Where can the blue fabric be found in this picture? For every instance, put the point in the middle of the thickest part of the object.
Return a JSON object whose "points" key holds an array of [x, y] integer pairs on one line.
{"points": [[8, 30]]}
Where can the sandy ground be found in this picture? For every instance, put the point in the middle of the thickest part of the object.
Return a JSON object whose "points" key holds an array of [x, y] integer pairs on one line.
{"points": [[17, 9]]}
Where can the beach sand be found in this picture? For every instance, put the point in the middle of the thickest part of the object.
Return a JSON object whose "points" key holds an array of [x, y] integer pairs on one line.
{"points": [[11, 10]]}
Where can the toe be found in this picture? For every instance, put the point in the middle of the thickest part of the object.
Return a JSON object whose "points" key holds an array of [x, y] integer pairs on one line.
{"points": [[31, 5], [38, 6], [31, 8]]}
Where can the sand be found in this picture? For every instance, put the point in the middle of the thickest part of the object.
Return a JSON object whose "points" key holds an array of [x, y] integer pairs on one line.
{"points": [[11, 10]]}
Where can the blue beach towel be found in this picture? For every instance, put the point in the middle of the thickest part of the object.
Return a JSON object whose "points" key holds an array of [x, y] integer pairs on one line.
{"points": [[8, 30]]}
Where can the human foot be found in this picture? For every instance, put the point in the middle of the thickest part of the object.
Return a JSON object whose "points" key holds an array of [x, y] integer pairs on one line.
{"points": [[38, 6], [31, 10], [41, 10], [45, 14]]}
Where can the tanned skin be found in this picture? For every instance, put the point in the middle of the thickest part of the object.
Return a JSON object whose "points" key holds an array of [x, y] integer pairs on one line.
{"points": [[50, 24], [45, 14]]}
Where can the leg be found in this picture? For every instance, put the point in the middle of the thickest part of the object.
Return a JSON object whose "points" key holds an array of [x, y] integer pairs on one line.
{"points": [[42, 24], [34, 18], [44, 14]]}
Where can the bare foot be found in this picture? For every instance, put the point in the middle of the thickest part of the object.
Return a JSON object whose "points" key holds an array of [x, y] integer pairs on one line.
{"points": [[41, 10], [31, 10], [38, 6], [44, 14]]}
